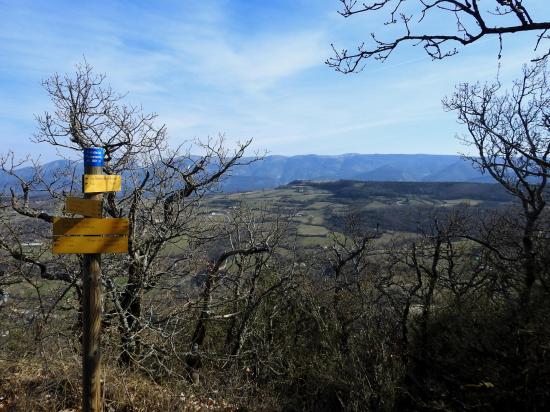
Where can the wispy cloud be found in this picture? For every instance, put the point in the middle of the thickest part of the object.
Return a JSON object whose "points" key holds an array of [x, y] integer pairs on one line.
{"points": [[207, 67], [251, 64]]}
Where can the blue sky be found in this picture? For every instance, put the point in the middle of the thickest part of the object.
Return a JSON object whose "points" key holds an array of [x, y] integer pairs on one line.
{"points": [[247, 69]]}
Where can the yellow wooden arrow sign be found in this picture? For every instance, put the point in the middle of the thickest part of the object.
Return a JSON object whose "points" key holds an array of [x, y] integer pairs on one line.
{"points": [[84, 207], [101, 183], [90, 235], [89, 244], [74, 226]]}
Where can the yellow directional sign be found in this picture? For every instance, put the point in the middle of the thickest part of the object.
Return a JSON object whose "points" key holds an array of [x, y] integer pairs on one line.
{"points": [[101, 183], [84, 207], [72, 226], [91, 234], [90, 244]]}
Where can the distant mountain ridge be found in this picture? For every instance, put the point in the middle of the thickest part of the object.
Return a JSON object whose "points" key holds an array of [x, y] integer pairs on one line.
{"points": [[275, 170]]}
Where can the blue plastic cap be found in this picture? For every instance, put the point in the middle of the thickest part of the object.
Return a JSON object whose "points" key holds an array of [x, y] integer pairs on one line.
{"points": [[94, 156]]}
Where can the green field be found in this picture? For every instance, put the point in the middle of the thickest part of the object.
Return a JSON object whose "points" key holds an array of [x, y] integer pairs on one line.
{"points": [[320, 208]]}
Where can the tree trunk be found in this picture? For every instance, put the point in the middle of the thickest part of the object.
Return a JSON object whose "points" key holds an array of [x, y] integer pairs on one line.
{"points": [[131, 305], [529, 269], [200, 329]]}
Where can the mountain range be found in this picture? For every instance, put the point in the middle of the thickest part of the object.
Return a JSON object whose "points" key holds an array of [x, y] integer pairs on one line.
{"points": [[273, 171]]}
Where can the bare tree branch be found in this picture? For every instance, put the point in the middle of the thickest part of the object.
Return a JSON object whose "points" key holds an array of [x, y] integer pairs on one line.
{"points": [[471, 24]]}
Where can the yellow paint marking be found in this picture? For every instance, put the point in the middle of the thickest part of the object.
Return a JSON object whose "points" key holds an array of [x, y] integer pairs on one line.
{"points": [[101, 183]]}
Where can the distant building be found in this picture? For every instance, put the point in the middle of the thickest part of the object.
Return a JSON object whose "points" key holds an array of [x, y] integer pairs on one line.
{"points": [[300, 189], [32, 244]]}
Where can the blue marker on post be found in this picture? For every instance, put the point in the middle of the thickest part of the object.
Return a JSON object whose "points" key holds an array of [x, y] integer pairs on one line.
{"points": [[94, 157]]}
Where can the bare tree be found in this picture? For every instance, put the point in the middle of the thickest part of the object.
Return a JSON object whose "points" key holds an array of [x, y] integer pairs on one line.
{"points": [[510, 132], [238, 281], [467, 21], [346, 261], [162, 191]]}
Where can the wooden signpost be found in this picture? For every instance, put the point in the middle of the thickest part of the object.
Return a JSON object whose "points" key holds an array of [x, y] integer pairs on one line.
{"points": [[91, 236]]}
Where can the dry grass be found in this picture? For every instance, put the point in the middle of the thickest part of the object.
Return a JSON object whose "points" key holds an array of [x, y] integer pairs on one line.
{"points": [[34, 385]]}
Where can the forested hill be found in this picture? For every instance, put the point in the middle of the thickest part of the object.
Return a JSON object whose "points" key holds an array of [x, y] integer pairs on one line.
{"points": [[273, 171], [356, 190]]}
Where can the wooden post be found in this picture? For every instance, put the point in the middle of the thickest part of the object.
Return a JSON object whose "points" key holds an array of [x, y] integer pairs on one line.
{"points": [[91, 305], [87, 236]]}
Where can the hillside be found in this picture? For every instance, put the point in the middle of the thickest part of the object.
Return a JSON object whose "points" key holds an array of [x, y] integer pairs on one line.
{"points": [[320, 207]]}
